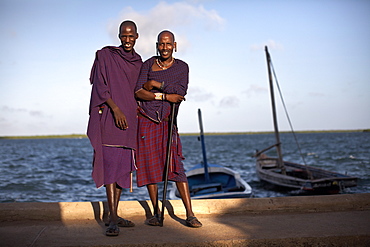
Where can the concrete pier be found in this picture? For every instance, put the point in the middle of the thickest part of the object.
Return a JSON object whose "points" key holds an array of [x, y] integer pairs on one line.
{"points": [[335, 220]]}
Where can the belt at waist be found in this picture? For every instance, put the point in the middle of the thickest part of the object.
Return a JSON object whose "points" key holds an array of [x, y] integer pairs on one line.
{"points": [[141, 115]]}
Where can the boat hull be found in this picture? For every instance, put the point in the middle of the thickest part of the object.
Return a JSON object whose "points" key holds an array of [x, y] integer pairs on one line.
{"points": [[223, 183], [301, 177]]}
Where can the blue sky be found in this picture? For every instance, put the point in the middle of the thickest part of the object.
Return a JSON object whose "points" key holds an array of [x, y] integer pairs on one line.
{"points": [[320, 51]]}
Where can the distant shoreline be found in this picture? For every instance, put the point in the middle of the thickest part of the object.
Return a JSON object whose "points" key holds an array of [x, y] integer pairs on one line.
{"points": [[188, 134]]}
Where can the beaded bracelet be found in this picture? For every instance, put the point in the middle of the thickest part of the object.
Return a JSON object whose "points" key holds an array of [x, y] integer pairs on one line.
{"points": [[158, 96]]}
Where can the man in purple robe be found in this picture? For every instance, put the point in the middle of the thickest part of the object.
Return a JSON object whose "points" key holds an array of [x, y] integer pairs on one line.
{"points": [[163, 80], [112, 127]]}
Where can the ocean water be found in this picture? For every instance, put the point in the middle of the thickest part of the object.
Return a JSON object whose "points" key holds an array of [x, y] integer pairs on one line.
{"points": [[59, 170]]}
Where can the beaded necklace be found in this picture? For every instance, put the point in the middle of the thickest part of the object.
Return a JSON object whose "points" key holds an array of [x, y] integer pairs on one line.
{"points": [[162, 66]]}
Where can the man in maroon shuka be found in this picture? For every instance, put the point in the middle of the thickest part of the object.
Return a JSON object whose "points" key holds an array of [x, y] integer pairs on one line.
{"points": [[112, 127], [163, 79]]}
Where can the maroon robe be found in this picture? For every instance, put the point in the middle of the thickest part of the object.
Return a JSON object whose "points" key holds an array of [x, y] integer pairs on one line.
{"points": [[153, 130], [113, 75]]}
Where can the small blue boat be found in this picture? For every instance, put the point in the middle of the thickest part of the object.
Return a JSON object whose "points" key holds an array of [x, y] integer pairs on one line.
{"points": [[211, 181]]}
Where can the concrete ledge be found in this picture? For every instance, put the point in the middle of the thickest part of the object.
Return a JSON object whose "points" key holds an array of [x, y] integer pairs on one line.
{"points": [[65, 211], [357, 241]]}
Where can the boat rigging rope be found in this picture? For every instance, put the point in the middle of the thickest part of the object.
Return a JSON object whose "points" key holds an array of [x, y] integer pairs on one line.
{"points": [[287, 115]]}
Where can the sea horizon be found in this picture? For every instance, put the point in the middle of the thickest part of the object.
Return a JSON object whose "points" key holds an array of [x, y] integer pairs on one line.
{"points": [[188, 133]]}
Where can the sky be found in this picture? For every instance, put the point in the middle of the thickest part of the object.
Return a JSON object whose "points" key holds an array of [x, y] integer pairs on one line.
{"points": [[319, 49]]}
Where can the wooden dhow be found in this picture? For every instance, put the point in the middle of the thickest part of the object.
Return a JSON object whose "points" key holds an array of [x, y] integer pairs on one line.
{"points": [[294, 176]]}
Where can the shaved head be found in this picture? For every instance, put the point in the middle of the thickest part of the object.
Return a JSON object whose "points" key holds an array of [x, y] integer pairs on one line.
{"points": [[166, 32], [166, 45], [128, 23], [128, 35]]}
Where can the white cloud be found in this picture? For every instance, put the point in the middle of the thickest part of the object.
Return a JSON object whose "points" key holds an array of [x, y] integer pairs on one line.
{"points": [[255, 89], [166, 16], [198, 94], [11, 110], [229, 101]]}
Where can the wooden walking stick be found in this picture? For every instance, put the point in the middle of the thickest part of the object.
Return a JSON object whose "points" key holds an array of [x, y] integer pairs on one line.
{"points": [[168, 159]]}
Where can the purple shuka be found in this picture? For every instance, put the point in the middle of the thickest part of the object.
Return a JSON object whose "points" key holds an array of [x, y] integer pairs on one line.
{"points": [[114, 75], [153, 128]]}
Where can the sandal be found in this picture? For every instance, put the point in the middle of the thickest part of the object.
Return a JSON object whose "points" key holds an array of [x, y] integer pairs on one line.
{"points": [[112, 230], [192, 221], [154, 221], [123, 223]]}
